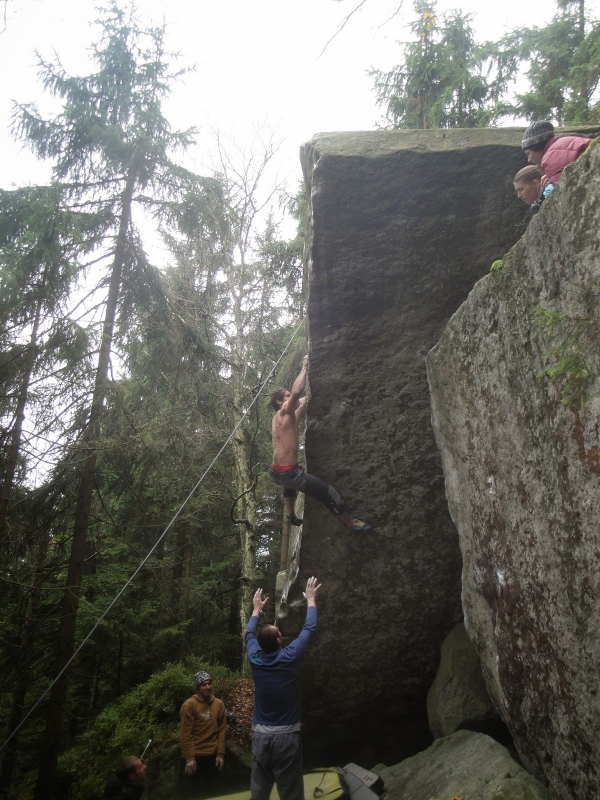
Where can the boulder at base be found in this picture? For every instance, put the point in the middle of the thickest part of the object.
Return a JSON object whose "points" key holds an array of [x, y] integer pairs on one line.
{"points": [[458, 697], [466, 765]]}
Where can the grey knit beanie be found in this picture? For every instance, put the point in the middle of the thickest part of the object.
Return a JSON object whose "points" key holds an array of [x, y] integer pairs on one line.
{"points": [[537, 133], [200, 678]]}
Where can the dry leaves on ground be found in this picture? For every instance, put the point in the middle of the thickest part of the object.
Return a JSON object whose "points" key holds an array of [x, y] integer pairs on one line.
{"points": [[241, 702]]}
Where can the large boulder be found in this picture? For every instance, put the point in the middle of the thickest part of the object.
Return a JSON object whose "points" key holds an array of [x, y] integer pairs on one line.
{"points": [[523, 484], [402, 224], [458, 697], [463, 766]]}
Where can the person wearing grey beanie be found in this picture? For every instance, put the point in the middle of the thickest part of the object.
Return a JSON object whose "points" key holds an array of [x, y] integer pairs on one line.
{"points": [[202, 742], [200, 678], [537, 135], [551, 153]]}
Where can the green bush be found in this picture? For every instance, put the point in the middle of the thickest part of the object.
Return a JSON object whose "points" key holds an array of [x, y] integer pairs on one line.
{"points": [[150, 711]]}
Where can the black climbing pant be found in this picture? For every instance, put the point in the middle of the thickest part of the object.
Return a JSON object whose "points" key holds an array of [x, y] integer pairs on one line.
{"points": [[297, 480]]}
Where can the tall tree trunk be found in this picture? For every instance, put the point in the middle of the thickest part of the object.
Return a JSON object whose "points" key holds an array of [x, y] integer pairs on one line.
{"points": [[246, 511], [24, 660], [285, 542], [234, 657], [185, 594], [242, 454], [17, 431], [177, 588], [66, 635], [119, 666], [95, 682]]}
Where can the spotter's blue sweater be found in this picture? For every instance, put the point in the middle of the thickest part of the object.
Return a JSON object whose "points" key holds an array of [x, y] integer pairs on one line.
{"points": [[277, 675]]}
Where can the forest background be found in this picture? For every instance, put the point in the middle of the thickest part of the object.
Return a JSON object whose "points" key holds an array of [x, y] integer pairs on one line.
{"points": [[143, 305]]}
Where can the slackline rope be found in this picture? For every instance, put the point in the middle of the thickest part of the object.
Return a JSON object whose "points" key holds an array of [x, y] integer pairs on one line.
{"points": [[153, 548]]}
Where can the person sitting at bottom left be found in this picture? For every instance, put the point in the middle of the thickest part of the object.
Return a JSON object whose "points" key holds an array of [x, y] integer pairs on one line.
{"points": [[128, 781], [202, 741]]}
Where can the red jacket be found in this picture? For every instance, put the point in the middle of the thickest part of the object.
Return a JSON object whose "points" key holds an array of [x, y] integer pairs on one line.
{"points": [[560, 151]]}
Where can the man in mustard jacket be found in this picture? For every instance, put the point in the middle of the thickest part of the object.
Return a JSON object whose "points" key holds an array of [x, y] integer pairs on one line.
{"points": [[202, 741]]}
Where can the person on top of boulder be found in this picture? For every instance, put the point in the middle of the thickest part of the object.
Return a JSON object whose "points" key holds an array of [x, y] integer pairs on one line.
{"points": [[551, 153], [529, 187]]}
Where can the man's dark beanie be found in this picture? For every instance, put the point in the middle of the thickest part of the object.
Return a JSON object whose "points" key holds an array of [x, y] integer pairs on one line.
{"points": [[537, 133]]}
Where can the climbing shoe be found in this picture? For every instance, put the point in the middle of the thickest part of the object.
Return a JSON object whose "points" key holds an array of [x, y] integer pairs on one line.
{"points": [[359, 525], [294, 520]]}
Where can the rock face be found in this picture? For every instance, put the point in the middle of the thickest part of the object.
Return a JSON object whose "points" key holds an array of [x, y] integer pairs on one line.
{"points": [[465, 765], [458, 697], [402, 224], [523, 485]]}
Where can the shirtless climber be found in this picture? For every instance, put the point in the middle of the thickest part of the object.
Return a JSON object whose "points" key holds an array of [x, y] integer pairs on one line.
{"points": [[284, 470]]}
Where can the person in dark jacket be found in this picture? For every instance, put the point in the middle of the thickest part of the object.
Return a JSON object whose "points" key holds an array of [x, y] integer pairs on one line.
{"points": [[549, 152], [276, 743], [128, 781]]}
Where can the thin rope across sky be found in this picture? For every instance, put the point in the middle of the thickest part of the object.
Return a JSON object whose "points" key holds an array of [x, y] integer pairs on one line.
{"points": [[153, 548]]}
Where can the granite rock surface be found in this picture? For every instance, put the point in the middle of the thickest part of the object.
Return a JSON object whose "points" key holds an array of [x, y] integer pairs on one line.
{"points": [[522, 475], [458, 697], [402, 224], [463, 766]]}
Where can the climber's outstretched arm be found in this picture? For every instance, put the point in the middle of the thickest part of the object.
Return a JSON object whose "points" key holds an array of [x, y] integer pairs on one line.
{"points": [[290, 403]]}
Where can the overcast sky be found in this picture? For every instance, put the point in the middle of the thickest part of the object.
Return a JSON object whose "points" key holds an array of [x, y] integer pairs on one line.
{"points": [[256, 61]]}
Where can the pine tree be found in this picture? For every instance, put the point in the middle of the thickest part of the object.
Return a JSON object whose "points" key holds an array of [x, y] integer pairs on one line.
{"points": [[441, 81], [41, 244], [562, 62], [447, 80], [111, 148]]}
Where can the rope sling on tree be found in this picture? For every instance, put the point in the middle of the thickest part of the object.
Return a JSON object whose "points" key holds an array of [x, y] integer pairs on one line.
{"points": [[154, 546]]}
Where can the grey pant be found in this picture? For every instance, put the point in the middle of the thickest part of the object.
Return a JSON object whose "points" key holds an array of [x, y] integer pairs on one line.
{"points": [[277, 758]]}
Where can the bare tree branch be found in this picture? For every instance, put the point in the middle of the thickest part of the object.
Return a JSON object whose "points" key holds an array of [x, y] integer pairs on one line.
{"points": [[395, 14], [342, 26], [4, 16], [351, 14]]}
